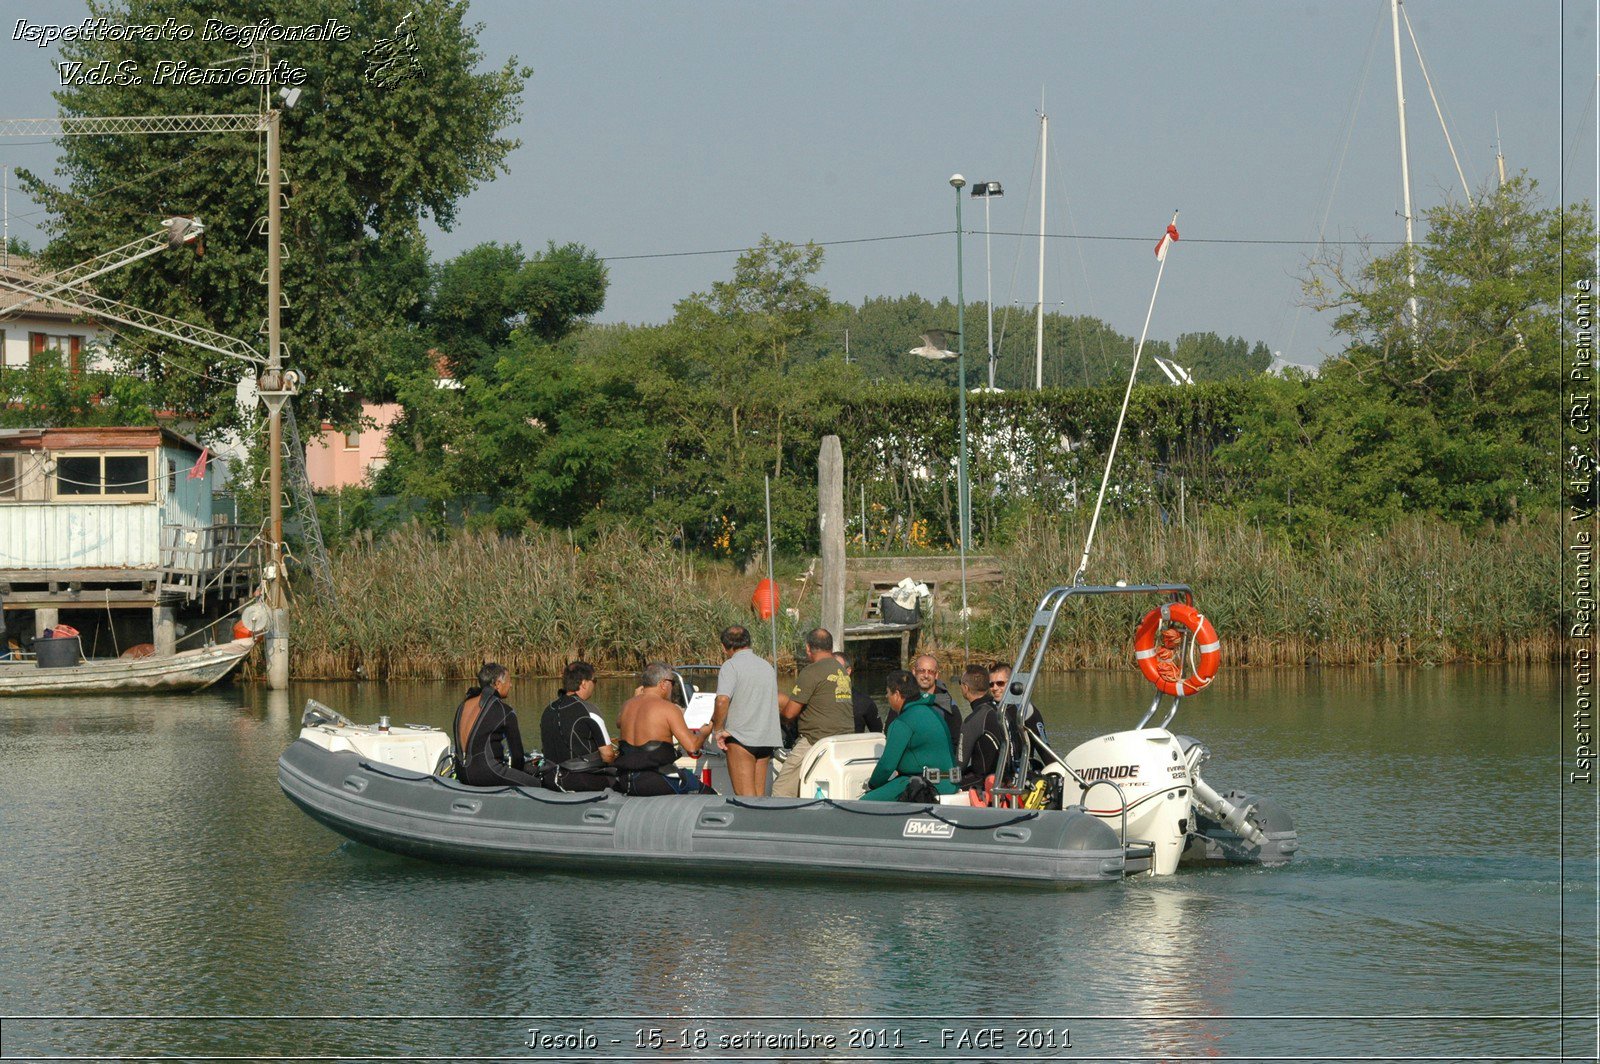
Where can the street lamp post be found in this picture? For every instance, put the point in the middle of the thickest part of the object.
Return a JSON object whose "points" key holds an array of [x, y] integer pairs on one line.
{"points": [[957, 182], [988, 190]]}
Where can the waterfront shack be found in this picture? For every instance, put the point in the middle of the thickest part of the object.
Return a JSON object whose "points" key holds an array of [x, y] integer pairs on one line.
{"points": [[112, 531]]}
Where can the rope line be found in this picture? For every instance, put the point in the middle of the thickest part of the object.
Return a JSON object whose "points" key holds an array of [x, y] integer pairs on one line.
{"points": [[929, 810], [1003, 232], [462, 788]]}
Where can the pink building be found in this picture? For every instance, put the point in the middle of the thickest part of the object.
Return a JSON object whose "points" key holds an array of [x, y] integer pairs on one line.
{"points": [[337, 459]]}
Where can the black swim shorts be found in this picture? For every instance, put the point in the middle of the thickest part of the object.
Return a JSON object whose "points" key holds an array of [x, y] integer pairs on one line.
{"points": [[757, 752]]}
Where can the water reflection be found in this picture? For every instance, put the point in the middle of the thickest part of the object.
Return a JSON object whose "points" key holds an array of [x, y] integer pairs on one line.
{"points": [[152, 865]]}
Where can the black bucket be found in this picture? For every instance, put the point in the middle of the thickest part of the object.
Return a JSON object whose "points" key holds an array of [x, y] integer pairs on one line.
{"points": [[894, 613], [57, 653]]}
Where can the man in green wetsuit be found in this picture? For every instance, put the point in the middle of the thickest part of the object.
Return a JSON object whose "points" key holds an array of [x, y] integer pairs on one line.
{"points": [[917, 739]]}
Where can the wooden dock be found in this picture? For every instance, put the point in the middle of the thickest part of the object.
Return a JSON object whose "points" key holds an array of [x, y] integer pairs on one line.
{"points": [[871, 635]]}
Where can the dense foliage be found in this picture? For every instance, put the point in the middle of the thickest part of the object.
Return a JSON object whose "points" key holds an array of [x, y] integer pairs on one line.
{"points": [[1424, 593], [676, 428], [518, 412], [49, 394], [366, 158], [1451, 411]]}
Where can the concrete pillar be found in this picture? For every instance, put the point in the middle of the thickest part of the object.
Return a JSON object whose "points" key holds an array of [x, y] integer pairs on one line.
{"points": [[278, 651], [164, 626], [831, 525], [44, 620]]}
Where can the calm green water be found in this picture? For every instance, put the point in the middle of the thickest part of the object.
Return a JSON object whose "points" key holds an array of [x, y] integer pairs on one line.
{"points": [[151, 870]]}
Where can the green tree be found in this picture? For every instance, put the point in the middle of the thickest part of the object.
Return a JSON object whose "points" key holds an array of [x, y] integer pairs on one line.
{"points": [[770, 300], [1445, 412], [367, 162], [484, 294], [47, 394], [1209, 357]]}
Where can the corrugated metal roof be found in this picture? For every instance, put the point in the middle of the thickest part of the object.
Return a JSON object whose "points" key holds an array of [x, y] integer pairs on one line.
{"points": [[101, 436]]}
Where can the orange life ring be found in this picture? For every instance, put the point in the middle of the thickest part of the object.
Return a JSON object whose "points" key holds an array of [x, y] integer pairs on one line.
{"points": [[1205, 637]]}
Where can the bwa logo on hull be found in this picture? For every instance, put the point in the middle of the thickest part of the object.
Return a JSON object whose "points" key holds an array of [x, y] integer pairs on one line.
{"points": [[928, 829]]}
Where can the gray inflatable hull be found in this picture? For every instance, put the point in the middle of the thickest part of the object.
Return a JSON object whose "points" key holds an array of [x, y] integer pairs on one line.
{"points": [[441, 820]]}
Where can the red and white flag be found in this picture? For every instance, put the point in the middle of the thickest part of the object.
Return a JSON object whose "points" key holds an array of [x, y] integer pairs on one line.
{"points": [[198, 470], [1166, 238]]}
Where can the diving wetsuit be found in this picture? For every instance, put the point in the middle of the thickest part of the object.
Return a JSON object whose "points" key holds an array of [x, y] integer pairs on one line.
{"points": [[641, 771], [940, 700], [864, 710], [981, 736], [569, 730], [486, 741], [917, 739]]}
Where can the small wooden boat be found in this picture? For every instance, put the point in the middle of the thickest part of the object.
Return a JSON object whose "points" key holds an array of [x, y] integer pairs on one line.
{"points": [[188, 670]]}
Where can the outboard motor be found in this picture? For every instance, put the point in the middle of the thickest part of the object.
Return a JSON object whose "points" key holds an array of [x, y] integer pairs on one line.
{"points": [[1236, 818], [1235, 827], [1140, 779]]}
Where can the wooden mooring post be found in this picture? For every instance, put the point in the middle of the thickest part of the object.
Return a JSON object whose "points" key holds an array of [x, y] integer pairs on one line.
{"points": [[831, 524]]}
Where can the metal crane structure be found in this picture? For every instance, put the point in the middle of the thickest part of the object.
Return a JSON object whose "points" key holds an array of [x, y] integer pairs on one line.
{"points": [[274, 384], [64, 288], [174, 232]]}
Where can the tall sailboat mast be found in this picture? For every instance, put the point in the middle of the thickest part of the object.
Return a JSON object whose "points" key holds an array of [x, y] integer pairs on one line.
{"points": [[1044, 190], [1405, 161], [1499, 156]]}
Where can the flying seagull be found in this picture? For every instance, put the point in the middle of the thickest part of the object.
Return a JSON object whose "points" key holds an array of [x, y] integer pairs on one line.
{"points": [[934, 346]]}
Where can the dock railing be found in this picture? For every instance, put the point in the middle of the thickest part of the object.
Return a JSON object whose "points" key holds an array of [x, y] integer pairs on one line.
{"points": [[205, 561]]}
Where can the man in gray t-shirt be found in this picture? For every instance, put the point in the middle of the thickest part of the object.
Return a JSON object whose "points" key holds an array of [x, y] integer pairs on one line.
{"points": [[745, 721]]}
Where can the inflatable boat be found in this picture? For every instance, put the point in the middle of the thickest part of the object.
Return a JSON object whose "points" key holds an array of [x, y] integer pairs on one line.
{"points": [[378, 786], [1132, 801]]}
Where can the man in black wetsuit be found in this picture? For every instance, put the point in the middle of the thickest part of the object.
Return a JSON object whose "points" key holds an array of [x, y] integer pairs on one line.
{"points": [[999, 677], [570, 730], [489, 751], [982, 731]]}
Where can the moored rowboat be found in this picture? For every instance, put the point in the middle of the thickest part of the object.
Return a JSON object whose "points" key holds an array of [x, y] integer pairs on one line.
{"points": [[188, 670]]}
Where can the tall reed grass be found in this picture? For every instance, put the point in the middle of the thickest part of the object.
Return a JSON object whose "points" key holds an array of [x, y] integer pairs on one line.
{"points": [[1422, 592], [417, 606], [413, 605]]}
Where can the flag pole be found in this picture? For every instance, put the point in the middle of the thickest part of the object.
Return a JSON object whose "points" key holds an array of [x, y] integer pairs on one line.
{"points": [[1161, 257]]}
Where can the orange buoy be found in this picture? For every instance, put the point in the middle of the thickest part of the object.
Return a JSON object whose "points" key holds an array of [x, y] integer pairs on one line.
{"points": [[1158, 664], [765, 599], [242, 631]]}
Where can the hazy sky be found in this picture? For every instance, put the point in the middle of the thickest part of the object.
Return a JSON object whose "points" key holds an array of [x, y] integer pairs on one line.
{"points": [[665, 128]]}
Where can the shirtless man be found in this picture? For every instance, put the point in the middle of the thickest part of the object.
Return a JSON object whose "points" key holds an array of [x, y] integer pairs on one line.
{"points": [[649, 725]]}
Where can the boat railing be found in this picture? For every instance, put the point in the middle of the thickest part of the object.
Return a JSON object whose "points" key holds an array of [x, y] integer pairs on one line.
{"points": [[1122, 804], [1155, 704]]}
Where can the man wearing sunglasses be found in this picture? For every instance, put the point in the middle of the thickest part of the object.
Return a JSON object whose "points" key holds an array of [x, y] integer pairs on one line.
{"points": [[926, 671], [983, 732], [999, 676]]}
